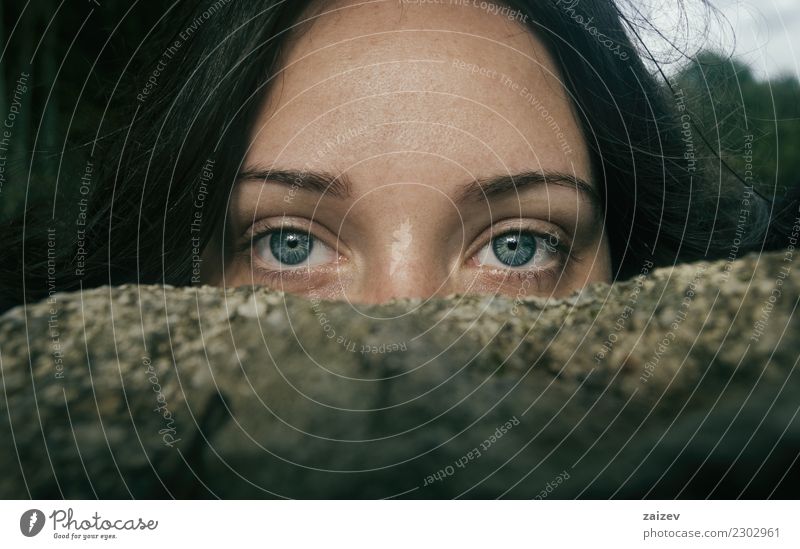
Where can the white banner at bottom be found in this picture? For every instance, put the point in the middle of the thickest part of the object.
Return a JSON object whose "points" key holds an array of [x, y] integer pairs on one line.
{"points": [[400, 524]]}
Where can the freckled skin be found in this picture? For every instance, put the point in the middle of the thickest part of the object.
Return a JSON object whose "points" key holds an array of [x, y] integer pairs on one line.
{"points": [[410, 103]]}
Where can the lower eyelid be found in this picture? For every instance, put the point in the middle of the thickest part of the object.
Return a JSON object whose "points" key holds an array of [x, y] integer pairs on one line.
{"points": [[292, 275], [537, 280]]}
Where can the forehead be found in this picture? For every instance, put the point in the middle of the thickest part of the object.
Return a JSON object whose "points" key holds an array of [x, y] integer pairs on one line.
{"points": [[417, 89]]}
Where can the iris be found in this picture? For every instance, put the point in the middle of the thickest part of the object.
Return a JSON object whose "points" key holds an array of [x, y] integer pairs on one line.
{"points": [[514, 249], [291, 247]]}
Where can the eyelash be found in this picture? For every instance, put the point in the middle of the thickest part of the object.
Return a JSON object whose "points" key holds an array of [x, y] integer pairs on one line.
{"points": [[262, 229], [540, 278]]}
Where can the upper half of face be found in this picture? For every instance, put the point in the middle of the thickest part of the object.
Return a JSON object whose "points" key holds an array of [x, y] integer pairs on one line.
{"points": [[437, 122]]}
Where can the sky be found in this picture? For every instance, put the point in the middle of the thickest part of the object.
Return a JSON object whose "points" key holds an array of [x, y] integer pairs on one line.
{"points": [[767, 32]]}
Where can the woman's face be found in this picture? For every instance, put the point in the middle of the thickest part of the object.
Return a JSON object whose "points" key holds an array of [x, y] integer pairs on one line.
{"points": [[412, 150]]}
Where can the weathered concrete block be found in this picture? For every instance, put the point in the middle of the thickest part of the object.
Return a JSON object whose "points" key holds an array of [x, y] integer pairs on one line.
{"points": [[679, 384]]}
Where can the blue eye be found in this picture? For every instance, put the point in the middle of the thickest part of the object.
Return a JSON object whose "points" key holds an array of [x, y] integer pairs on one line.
{"points": [[290, 247], [518, 248], [287, 247], [514, 249]]}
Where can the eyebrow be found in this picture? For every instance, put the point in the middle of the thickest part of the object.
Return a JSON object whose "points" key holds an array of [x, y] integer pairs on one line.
{"points": [[336, 186], [339, 186], [498, 185]]}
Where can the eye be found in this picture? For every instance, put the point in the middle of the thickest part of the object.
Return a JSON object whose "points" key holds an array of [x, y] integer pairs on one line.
{"points": [[289, 247], [516, 249]]}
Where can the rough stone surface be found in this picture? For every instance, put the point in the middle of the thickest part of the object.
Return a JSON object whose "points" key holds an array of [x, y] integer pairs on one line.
{"points": [[680, 384]]}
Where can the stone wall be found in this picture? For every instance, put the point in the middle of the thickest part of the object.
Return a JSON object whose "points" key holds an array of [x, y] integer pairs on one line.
{"points": [[679, 384]]}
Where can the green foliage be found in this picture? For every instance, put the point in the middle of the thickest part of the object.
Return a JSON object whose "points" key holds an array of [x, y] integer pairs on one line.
{"points": [[732, 108]]}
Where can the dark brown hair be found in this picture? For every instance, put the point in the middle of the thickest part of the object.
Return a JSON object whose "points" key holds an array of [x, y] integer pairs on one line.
{"points": [[663, 203]]}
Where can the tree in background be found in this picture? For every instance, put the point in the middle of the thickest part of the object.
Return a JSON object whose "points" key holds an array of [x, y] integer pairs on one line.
{"points": [[728, 105]]}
